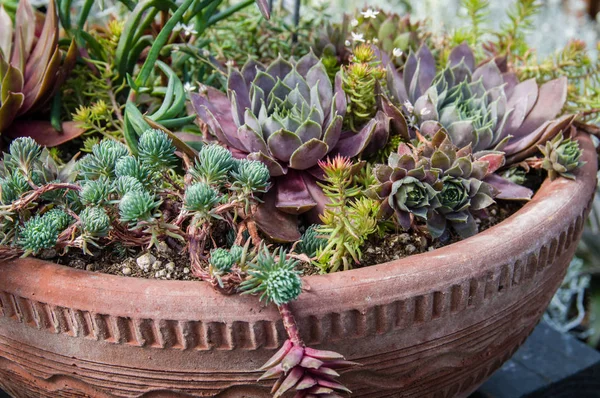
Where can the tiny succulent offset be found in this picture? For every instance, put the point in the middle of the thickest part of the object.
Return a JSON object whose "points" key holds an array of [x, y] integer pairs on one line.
{"points": [[329, 142]]}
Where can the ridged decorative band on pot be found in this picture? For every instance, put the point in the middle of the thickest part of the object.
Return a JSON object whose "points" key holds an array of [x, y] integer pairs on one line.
{"points": [[435, 324]]}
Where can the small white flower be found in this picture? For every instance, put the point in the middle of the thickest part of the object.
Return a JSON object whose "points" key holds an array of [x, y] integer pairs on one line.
{"points": [[397, 52], [347, 43], [425, 112], [188, 30], [189, 87], [230, 63], [358, 37], [408, 106], [354, 22], [370, 13], [375, 40]]}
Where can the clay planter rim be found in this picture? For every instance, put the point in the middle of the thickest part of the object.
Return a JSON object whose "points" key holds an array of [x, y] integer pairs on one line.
{"points": [[379, 284]]}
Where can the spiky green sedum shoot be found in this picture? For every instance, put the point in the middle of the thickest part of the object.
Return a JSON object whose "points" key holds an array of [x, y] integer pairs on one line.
{"points": [[200, 198], [156, 149], [138, 206], [94, 221], [274, 277], [95, 192], [125, 184], [38, 233], [360, 79], [251, 176], [213, 164], [221, 260], [23, 153]]}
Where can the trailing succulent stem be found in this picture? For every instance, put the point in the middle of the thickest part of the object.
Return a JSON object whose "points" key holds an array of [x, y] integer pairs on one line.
{"points": [[309, 372]]}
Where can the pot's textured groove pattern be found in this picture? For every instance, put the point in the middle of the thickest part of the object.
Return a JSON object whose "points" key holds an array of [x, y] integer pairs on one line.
{"points": [[431, 325]]}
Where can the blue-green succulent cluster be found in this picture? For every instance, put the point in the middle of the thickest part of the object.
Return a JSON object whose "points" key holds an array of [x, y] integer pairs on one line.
{"points": [[312, 241], [221, 260], [138, 206], [39, 233], [275, 278], [156, 150], [94, 221], [111, 196]]}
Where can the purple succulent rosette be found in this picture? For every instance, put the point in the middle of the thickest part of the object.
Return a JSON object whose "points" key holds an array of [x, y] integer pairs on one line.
{"points": [[287, 115], [485, 106]]}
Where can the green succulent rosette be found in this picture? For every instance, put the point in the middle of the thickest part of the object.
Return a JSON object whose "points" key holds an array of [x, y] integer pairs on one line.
{"points": [[561, 157]]}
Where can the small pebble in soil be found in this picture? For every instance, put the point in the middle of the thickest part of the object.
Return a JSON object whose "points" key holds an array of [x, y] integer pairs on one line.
{"points": [[163, 248], [126, 271], [170, 266], [90, 267], [157, 265], [186, 270], [145, 261]]}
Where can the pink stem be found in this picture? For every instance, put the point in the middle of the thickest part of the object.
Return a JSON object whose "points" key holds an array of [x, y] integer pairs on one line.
{"points": [[289, 323]]}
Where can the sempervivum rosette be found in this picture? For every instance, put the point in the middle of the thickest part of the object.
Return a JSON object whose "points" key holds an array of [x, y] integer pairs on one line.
{"points": [[287, 115], [436, 182], [485, 107], [409, 185]]}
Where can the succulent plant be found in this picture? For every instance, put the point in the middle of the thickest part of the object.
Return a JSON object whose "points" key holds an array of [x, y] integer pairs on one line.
{"points": [[213, 164], [103, 160], [221, 260], [95, 192], [38, 233], [137, 206], [94, 221], [311, 373], [395, 34], [200, 198], [409, 184], [274, 277], [251, 175], [59, 218], [32, 66], [156, 150], [237, 253], [436, 182], [287, 115], [23, 153], [125, 184], [561, 157], [485, 107], [312, 241]]}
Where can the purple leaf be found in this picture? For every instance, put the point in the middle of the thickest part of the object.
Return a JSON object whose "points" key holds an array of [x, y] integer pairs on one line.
{"points": [[550, 101], [292, 194], [263, 6], [462, 53], [43, 132], [490, 75], [508, 190], [426, 68], [214, 109], [278, 226], [308, 154], [250, 69], [283, 143]]}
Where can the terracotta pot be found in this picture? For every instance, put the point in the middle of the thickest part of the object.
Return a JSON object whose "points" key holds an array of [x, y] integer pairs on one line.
{"points": [[435, 324]]}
